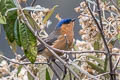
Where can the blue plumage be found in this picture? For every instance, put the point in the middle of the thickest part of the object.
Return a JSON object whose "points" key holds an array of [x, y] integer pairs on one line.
{"points": [[63, 21]]}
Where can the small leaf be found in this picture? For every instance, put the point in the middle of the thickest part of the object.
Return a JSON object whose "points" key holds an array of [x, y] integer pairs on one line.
{"points": [[118, 37], [118, 3], [16, 32], [97, 45], [0, 29], [100, 61], [10, 19], [29, 76], [96, 67], [9, 27], [75, 47], [42, 71], [2, 19], [19, 69], [31, 20], [49, 14], [28, 41], [106, 63], [103, 0], [47, 75], [2, 5]]}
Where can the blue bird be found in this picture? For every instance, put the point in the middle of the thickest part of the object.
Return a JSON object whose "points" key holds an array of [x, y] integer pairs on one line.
{"points": [[61, 38]]}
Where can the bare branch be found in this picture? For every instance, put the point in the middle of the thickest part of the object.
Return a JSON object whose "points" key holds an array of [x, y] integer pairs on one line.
{"points": [[20, 63], [116, 64], [102, 74], [77, 52]]}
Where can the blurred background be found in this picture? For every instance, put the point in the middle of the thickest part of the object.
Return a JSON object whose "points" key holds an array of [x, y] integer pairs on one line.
{"points": [[65, 10]]}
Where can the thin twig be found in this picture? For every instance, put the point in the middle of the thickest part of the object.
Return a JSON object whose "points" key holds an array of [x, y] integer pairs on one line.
{"points": [[116, 64], [77, 52], [35, 78], [20, 63], [101, 75], [99, 12]]}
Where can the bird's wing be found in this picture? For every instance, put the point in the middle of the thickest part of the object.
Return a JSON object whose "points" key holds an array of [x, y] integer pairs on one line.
{"points": [[49, 40]]}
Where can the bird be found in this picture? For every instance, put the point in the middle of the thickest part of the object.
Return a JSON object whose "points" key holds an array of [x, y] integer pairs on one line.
{"points": [[61, 38]]}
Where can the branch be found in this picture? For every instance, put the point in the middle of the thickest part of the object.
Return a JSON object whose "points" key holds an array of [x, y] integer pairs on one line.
{"points": [[20, 63], [77, 52], [99, 12], [116, 64], [102, 74]]}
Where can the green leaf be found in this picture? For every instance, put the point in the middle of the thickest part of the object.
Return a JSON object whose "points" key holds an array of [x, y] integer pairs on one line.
{"points": [[2, 5], [31, 20], [29, 76], [16, 32], [19, 69], [106, 63], [9, 27], [42, 71], [97, 45], [49, 14], [100, 61], [47, 75], [2, 19], [103, 0], [96, 67], [118, 2], [0, 29], [75, 47], [118, 37], [28, 41], [11, 17]]}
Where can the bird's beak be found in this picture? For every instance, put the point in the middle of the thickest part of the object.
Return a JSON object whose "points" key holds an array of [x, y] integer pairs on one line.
{"points": [[73, 19]]}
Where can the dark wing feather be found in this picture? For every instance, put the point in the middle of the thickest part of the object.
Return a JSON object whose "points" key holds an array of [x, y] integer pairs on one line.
{"points": [[49, 40]]}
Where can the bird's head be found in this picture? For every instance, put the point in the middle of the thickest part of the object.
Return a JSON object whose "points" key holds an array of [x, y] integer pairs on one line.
{"points": [[66, 22]]}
